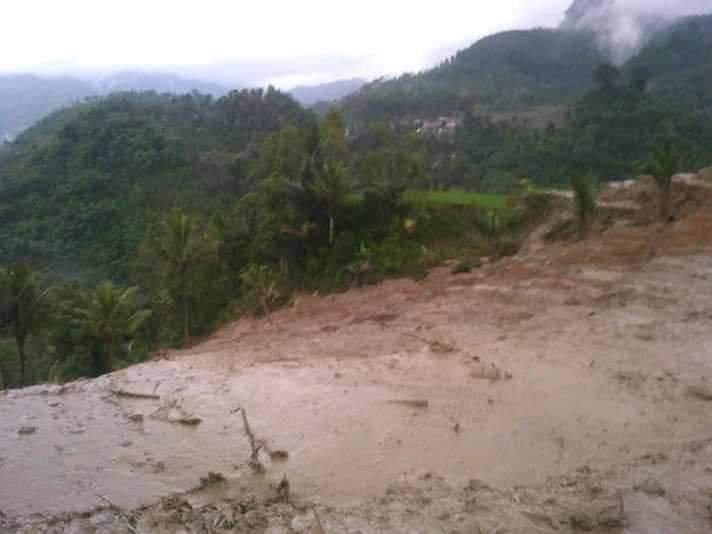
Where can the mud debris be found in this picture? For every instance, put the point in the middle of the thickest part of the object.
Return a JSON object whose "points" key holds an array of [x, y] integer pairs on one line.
{"points": [[421, 404]]}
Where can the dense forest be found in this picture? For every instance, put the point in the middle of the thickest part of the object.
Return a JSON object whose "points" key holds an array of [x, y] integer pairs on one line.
{"points": [[141, 220]]}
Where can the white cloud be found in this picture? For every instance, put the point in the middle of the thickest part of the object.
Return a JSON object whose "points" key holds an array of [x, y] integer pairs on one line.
{"points": [[315, 39]]}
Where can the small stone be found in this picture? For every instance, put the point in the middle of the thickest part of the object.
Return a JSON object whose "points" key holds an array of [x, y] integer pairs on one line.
{"points": [[703, 393], [126, 443], [651, 487], [279, 455], [26, 430]]}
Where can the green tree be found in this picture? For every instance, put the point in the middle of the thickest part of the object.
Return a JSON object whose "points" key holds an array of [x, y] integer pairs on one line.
{"points": [[667, 160], [606, 76], [492, 225], [261, 283], [181, 247], [105, 317], [25, 307], [331, 187], [332, 135]]}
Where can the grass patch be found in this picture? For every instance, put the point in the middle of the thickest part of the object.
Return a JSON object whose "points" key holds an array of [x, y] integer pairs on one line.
{"points": [[457, 198]]}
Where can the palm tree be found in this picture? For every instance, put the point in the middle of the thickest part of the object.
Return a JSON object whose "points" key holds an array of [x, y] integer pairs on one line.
{"points": [[180, 248], [25, 306], [106, 317], [263, 283], [667, 161], [585, 200], [491, 226], [331, 188]]}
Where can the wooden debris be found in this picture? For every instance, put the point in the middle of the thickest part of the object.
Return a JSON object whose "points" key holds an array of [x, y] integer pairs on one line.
{"points": [[414, 403], [283, 490], [190, 421], [134, 395], [254, 462]]}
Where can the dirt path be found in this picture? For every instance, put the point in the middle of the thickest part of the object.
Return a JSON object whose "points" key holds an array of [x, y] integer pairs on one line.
{"points": [[580, 376]]}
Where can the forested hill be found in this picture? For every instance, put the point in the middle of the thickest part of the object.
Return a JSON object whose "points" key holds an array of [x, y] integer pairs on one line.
{"points": [[507, 71], [679, 60], [79, 187], [522, 70]]}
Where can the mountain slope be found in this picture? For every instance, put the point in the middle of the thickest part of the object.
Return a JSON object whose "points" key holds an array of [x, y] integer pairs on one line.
{"points": [[507, 71], [679, 61]]}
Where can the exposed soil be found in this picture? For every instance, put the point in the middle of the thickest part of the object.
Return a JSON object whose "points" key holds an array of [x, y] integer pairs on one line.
{"points": [[567, 389]]}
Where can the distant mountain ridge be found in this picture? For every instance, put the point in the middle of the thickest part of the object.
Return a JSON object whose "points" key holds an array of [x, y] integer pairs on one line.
{"points": [[27, 98], [309, 95]]}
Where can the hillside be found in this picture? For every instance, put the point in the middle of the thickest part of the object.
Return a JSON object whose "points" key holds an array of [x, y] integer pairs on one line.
{"points": [[679, 62], [507, 71], [521, 71], [79, 187]]}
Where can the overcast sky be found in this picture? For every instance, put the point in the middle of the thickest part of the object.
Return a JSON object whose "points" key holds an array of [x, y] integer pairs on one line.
{"points": [[284, 41]]}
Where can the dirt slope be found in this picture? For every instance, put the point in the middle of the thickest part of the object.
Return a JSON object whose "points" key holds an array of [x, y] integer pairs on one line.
{"points": [[569, 389]]}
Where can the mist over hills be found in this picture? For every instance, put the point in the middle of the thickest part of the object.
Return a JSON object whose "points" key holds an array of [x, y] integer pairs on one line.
{"points": [[308, 95], [27, 98]]}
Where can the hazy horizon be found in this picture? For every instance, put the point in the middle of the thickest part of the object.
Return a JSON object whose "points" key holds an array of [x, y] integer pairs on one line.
{"points": [[287, 44]]}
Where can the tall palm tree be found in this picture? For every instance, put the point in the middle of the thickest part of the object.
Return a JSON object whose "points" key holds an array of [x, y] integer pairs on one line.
{"points": [[491, 226], [667, 161], [105, 317], [331, 188], [25, 306], [180, 248]]}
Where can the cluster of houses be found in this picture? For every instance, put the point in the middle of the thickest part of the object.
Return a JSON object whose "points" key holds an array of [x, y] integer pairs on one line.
{"points": [[440, 127]]}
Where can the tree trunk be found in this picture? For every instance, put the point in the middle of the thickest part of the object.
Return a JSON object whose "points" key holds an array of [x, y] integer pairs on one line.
{"points": [[331, 229], [98, 359], [265, 308], [666, 203], [186, 321], [21, 354]]}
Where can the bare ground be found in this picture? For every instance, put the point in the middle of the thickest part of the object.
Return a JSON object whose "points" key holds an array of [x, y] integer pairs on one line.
{"points": [[568, 389]]}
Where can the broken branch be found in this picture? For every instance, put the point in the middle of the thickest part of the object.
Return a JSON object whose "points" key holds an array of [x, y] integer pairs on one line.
{"points": [[133, 395]]}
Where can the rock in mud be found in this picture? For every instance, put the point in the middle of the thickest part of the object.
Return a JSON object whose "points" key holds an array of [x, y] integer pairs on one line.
{"points": [[703, 393], [651, 487], [600, 514], [26, 430]]}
